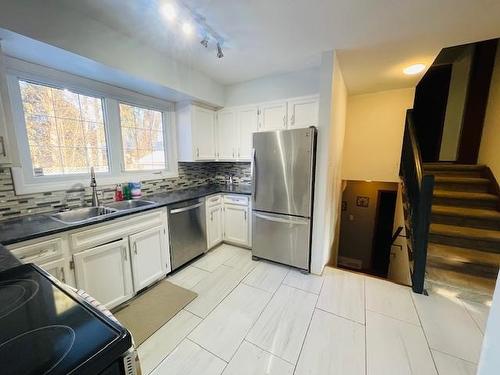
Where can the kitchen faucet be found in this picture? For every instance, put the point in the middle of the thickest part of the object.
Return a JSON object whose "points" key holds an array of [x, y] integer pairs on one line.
{"points": [[93, 185]]}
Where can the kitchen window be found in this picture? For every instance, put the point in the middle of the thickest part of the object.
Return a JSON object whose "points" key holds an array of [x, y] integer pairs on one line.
{"points": [[65, 130], [65, 124], [143, 142]]}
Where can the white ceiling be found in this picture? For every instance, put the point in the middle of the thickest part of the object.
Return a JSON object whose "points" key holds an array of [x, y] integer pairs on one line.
{"points": [[375, 39]]}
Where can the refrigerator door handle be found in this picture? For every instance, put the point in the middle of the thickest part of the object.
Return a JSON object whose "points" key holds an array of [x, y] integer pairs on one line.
{"points": [[254, 176], [281, 220]]}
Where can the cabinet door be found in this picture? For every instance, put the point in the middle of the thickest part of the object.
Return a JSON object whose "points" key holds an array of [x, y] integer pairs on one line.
{"points": [[104, 273], [272, 116], [303, 113], [56, 268], [203, 133], [227, 135], [147, 251], [236, 228], [248, 123], [214, 226]]}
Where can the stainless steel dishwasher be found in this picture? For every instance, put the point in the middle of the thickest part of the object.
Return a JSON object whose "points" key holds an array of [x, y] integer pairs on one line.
{"points": [[187, 231]]}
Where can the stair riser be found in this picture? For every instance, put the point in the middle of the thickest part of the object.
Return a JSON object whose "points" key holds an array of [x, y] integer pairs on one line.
{"points": [[473, 203], [476, 244], [472, 188], [466, 221], [474, 269], [455, 173]]}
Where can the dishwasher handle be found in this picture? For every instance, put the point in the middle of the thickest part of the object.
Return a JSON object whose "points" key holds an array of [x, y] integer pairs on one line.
{"points": [[183, 209]]}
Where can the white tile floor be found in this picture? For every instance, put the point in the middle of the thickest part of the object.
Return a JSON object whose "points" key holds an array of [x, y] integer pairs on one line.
{"points": [[255, 318]]}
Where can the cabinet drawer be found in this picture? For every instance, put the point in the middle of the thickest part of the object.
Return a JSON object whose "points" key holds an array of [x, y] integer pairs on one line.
{"points": [[102, 234], [241, 200], [39, 252], [214, 200]]}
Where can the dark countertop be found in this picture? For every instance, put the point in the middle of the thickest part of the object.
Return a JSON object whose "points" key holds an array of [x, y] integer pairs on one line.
{"points": [[34, 226]]}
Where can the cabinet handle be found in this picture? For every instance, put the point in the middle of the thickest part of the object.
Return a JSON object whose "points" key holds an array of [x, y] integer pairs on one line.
{"points": [[63, 276], [197, 152], [292, 120], [233, 152], [211, 216], [135, 248], [284, 121], [2, 142], [124, 250], [245, 216]]}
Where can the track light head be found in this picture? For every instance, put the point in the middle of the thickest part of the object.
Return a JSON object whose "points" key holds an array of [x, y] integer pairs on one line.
{"points": [[204, 41], [220, 54]]}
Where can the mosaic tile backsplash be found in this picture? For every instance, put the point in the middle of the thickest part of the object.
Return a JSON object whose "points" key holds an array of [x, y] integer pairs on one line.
{"points": [[190, 175]]}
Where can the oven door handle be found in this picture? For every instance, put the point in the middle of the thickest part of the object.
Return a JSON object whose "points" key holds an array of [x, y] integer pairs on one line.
{"points": [[183, 209]]}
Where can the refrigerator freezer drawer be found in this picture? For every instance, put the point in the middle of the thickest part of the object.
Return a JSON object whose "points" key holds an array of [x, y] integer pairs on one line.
{"points": [[281, 238]]}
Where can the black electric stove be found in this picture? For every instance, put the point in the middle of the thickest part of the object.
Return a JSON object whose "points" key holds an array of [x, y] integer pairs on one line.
{"points": [[46, 328]]}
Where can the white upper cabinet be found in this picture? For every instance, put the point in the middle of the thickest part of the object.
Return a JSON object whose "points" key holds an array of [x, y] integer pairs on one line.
{"points": [[227, 135], [272, 116], [196, 133], [248, 123], [303, 112]]}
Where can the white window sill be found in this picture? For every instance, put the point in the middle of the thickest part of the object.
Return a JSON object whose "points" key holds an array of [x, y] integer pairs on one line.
{"points": [[46, 184]]}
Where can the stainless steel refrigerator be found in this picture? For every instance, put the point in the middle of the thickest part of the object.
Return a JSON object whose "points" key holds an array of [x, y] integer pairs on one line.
{"points": [[283, 168]]}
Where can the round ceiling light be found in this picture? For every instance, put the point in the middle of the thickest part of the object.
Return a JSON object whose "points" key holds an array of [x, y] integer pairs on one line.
{"points": [[168, 11], [414, 69], [187, 28]]}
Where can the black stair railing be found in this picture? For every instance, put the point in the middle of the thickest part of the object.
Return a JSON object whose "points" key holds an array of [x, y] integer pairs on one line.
{"points": [[417, 197]]}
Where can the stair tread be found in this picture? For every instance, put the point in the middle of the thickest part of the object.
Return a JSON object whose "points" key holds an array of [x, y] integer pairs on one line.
{"points": [[465, 232], [465, 284], [464, 255], [477, 213], [461, 180], [464, 195], [453, 167]]}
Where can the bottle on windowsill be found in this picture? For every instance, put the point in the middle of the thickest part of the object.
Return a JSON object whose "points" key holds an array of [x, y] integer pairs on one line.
{"points": [[118, 193]]}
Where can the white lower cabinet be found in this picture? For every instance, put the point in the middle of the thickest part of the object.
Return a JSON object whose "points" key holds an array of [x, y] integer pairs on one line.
{"points": [[236, 227], [104, 272], [147, 251], [214, 226], [56, 268]]}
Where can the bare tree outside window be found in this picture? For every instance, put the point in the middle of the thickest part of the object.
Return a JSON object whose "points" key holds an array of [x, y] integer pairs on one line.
{"points": [[142, 138], [66, 131]]}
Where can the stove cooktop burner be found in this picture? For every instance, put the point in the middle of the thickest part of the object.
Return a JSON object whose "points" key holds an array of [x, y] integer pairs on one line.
{"points": [[48, 347], [15, 293]]}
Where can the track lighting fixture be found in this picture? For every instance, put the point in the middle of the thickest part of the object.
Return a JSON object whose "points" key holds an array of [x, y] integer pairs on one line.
{"points": [[220, 54], [204, 41], [191, 23]]}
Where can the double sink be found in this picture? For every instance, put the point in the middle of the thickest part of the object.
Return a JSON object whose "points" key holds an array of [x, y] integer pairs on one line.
{"points": [[85, 214]]}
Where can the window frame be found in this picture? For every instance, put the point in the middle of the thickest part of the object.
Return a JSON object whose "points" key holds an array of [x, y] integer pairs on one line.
{"points": [[24, 180]]}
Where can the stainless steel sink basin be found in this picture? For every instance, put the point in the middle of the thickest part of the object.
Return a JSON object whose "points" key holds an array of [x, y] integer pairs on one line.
{"points": [[129, 205], [81, 215]]}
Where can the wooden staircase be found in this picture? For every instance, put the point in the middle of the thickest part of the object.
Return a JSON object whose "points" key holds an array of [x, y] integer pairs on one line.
{"points": [[463, 254]]}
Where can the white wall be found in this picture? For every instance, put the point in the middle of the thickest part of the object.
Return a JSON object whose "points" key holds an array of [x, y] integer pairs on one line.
{"points": [[84, 36], [490, 142], [457, 94], [331, 128], [275, 87], [489, 363], [374, 135]]}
